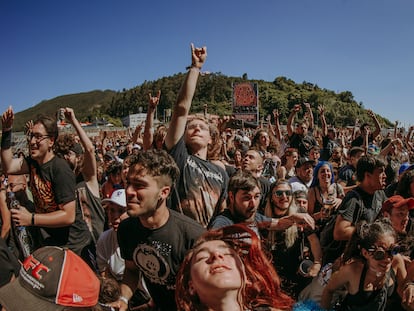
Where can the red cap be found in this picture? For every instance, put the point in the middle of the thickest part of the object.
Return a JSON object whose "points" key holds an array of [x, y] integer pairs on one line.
{"points": [[397, 201], [52, 279]]}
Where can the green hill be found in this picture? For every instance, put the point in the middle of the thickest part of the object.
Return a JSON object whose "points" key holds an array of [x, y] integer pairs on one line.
{"points": [[215, 89]]}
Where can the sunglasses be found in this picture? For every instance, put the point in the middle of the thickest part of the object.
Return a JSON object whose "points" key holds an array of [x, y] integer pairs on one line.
{"points": [[381, 254], [279, 193]]}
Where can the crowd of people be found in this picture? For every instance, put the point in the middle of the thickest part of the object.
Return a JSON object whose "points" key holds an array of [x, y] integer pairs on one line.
{"points": [[199, 215]]}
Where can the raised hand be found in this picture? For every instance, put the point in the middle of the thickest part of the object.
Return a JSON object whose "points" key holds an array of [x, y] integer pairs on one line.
{"points": [[276, 113], [198, 56], [7, 119], [321, 109], [153, 101]]}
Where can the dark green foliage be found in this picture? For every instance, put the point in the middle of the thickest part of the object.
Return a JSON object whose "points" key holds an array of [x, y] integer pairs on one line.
{"points": [[213, 89]]}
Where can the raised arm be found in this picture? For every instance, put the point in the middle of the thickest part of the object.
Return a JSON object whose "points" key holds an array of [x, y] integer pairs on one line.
{"points": [[309, 114], [185, 97], [277, 131], [374, 118], [10, 166], [89, 169], [149, 122], [290, 120], [321, 109]]}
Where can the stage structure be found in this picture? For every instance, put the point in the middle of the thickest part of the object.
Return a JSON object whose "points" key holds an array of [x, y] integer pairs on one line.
{"points": [[245, 102]]}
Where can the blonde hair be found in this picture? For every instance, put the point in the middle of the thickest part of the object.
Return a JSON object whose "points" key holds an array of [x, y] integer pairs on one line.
{"points": [[291, 233]]}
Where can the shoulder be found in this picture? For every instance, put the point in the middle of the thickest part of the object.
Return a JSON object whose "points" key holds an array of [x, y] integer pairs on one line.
{"points": [[184, 222]]}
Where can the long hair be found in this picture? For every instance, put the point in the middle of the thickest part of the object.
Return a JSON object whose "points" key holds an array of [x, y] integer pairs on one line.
{"points": [[261, 286], [291, 233], [315, 181]]}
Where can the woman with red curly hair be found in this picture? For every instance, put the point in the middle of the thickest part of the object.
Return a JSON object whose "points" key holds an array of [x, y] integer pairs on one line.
{"points": [[228, 270]]}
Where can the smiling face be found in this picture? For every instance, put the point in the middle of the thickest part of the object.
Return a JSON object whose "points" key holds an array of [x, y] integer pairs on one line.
{"points": [[215, 269], [324, 174], [281, 198], [384, 242], [40, 144]]}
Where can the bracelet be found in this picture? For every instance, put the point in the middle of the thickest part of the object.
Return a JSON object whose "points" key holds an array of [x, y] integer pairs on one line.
{"points": [[7, 129], [124, 299], [408, 284], [192, 66], [33, 219]]}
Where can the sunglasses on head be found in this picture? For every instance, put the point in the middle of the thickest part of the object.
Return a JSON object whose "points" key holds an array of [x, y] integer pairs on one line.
{"points": [[381, 254], [279, 193]]}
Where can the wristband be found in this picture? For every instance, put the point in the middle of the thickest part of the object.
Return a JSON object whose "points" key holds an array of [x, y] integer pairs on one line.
{"points": [[6, 140], [33, 219], [408, 284], [192, 66], [123, 299]]}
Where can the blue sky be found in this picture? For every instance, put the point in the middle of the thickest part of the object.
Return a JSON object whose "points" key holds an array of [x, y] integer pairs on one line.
{"points": [[52, 48]]}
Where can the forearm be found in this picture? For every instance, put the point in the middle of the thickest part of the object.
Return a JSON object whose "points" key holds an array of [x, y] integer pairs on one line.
{"points": [[182, 108], [280, 224], [289, 125], [56, 219], [148, 134], [84, 139]]}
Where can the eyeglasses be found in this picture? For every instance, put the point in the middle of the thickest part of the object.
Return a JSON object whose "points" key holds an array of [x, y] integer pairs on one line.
{"points": [[381, 254], [38, 137], [279, 193]]}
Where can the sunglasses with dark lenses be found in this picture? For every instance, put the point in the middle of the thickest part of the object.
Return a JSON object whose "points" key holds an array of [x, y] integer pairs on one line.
{"points": [[381, 254], [279, 193]]}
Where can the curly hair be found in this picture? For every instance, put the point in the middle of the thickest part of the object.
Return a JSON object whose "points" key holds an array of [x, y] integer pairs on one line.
{"points": [[261, 286], [365, 236]]}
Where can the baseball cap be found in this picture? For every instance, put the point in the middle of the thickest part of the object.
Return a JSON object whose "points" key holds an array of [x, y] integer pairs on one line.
{"points": [[304, 160], [110, 156], [77, 148], [397, 201], [50, 279], [118, 197]]}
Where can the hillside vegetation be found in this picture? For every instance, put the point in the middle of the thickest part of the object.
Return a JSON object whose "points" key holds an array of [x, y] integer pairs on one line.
{"points": [[214, 89]]}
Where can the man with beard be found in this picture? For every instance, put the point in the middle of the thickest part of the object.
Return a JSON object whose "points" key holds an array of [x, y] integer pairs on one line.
{"points": [[304, 175], [244, 198]]}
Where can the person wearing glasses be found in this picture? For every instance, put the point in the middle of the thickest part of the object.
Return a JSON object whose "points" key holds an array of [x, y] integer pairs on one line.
{"points": [[371, 270], [295, 244], [52, 184], [244, 196]]}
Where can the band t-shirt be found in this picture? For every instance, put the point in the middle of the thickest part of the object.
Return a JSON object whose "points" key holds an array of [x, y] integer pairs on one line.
{"points": [[202, 186], [158, 253], [53, 183]]}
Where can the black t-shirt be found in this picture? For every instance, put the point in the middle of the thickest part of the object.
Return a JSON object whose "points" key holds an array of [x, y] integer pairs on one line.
{"points": [[328, 146], [159, 253], [352, 203], [202, 186], [303, 144], [53, 183]]}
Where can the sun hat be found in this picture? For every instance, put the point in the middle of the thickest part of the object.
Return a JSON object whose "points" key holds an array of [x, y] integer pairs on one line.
{"points": [[51, 279]]}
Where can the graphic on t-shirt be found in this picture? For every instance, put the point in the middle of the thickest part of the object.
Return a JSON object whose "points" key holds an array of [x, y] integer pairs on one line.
{"points": [[151, 261], [42, 193]]}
